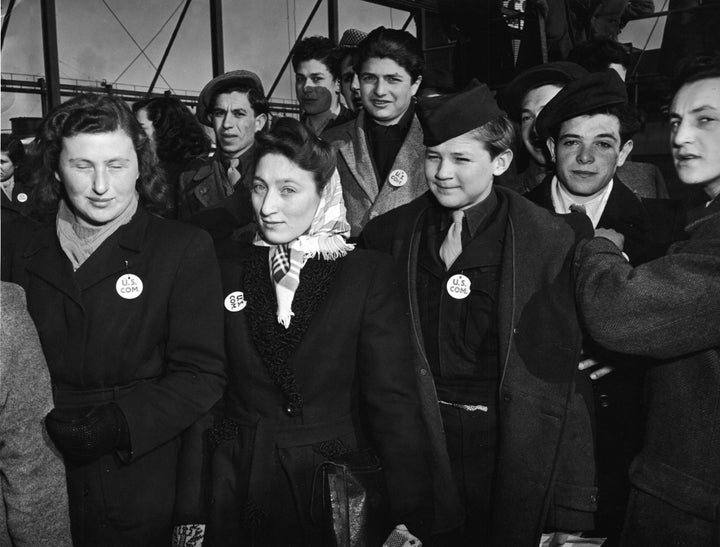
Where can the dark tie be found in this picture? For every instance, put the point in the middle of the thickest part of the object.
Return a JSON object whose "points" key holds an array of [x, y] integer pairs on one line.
{"points": [[575, 208], [452, 245]]}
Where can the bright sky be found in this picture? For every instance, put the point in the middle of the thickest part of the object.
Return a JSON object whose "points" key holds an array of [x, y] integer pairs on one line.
{"points": [[258, 34]]}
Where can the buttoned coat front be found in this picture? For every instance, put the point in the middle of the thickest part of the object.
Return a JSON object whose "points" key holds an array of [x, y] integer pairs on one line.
{"points": [[545, 470], [159, 356], [364, 199]]}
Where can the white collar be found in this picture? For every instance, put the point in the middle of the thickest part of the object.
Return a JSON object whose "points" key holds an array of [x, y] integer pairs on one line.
{"points": [[594, 208]]}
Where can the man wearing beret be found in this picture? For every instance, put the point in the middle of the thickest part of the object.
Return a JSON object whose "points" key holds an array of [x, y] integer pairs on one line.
{"points": [[234, 105], [669, 309], [588, 127], [490, 292]]}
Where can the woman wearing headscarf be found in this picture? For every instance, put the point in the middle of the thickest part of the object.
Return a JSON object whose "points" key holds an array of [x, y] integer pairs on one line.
{"points": [[127, 308], [319, 365]]}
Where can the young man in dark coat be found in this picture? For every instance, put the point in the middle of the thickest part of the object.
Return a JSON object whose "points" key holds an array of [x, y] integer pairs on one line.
{"points": [[490, 290], [234, 105], [669, 309]]}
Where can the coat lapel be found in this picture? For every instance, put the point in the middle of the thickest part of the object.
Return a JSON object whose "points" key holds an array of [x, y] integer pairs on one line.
{"points": [[356, 154]]}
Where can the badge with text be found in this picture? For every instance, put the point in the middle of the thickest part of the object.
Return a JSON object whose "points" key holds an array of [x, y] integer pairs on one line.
{"points": [[398, 178], [22, 197], [129, 286], [458, 286], [235, 301]]}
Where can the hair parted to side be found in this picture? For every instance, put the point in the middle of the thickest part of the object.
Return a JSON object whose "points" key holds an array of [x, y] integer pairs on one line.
{"points": [[290, 138], [497, 135], [320, 49], [92, 113], [694, 69], [178, 134], [397, 45]]}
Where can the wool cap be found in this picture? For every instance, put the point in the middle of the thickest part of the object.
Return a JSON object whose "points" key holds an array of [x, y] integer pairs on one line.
{"points": [[593, 91], [240, 78], [558, 73], [444, 117], [352, 37]]}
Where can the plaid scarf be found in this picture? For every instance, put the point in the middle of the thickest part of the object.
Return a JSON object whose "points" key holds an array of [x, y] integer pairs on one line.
{"points": [[325, 237]]}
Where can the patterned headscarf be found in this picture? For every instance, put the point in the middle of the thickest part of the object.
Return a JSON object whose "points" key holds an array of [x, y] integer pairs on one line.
{"points": [[326, 237]]}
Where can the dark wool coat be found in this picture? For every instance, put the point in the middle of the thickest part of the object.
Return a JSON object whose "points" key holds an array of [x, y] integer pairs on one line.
{"points": [[362, 198], [668, 309], [339, 379], [159, 356], [202, 184], [545, 470]]}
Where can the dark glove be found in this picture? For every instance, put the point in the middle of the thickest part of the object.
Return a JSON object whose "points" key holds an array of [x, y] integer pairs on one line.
{"points": [[83, 439]]}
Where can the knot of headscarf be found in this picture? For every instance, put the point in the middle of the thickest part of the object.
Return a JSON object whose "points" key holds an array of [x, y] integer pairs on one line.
{"points": [[326, 237]]}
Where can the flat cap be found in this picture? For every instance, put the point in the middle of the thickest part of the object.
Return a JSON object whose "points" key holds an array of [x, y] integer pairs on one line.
{"points": [[352, 37], [558, 72], [444, 117], [240, 78], [593, 91]]}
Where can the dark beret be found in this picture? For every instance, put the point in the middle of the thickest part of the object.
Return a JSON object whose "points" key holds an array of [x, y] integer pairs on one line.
{"points": [[444, 117], [239, 78], [559, 73], [592, 92]]}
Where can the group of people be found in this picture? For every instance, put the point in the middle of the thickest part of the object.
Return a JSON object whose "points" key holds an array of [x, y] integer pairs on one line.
{"points": [[365, 292]]}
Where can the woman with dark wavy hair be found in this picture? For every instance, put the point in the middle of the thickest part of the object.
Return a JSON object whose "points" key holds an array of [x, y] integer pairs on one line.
{"points": [[127, 309], [175, 132], [319, 364]]}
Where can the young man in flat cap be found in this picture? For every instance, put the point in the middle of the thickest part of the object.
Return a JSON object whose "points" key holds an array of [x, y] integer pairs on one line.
{"points": [[349, 83], [490, 291], [380, 152], [234, 105], [669, 309]]}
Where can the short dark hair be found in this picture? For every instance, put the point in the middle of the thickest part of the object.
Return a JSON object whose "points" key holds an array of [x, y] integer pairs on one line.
{"points": [[14, 148], [398, 45], [596, 54], [496, 135], [290, 138], [628, 117], [178, 134], [257, 100], [319, 48], [93, 113], [694, 69]]}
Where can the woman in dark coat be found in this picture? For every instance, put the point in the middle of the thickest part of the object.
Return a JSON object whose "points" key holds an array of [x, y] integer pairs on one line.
{"points": [[127, 309], [317, 344]]}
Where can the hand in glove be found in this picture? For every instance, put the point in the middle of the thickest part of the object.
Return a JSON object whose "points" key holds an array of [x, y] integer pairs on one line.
{"points": [[83, 439]]}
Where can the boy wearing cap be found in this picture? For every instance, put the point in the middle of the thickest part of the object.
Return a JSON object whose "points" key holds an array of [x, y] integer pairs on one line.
{"points": [[380, 152], [490, 291], [234, 105], [669, 309], [349, 83], [317, 84]]}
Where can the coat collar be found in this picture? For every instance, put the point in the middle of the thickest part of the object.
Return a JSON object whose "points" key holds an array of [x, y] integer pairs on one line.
{"points": [[47, 260]]}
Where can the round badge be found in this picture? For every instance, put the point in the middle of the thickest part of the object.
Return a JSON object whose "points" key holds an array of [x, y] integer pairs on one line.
{"points": [[235, 301], [22, 197], [398, 178], [129, 286], [458, 286]]}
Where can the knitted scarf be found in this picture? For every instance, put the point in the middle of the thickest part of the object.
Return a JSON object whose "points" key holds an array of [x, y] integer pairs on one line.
{"points": [[326, 237], [79, 241]]}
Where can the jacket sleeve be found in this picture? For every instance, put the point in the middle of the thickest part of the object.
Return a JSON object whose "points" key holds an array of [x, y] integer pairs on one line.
{"points": [[663, 309], [194, 376], [32, 474], [391, 400]]}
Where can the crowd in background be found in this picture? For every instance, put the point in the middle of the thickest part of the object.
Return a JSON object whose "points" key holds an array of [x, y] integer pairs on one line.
{"points": [[475, 297]]}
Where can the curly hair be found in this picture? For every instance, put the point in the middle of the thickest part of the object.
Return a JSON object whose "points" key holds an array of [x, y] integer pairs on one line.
{"points": [[92, 113], [290, 138], [320, 49], [178, 134]]}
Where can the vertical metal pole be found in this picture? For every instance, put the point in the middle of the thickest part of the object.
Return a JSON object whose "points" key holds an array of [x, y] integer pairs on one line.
{"points": [[50, 52], [216, 37], [333, 33], [169, 47]]}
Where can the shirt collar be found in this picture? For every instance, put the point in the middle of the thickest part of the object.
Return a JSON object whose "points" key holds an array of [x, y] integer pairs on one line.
{"points": [[594, 208]]}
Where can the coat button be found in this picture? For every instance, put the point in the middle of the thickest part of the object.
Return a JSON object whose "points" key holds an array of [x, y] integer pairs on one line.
{"points": [[423, 372], [604, 400], [516, 330], [290, 411]]}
